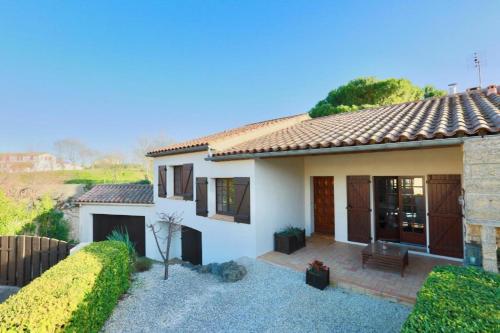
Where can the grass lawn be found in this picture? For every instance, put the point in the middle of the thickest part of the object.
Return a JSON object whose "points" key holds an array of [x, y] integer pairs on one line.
{"points": [[105, 175], [120, 174]]}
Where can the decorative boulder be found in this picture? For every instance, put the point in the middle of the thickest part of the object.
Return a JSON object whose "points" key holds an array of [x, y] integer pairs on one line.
{"points": [[229, 271], [232, 271]]}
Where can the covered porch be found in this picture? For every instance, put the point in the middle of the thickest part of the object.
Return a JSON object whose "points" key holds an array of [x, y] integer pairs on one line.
{"points": [[346, 270]]}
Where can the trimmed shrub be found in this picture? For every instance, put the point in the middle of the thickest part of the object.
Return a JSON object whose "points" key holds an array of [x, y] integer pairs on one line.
{"points": [[457, 299], [76, 295]]}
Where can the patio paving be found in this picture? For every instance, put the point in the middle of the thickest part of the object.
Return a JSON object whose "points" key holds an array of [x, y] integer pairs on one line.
{"points": [[346, 270]]}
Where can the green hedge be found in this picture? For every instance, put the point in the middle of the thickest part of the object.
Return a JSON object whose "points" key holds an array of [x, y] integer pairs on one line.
{"points": [[76, 295], [457, 299]]}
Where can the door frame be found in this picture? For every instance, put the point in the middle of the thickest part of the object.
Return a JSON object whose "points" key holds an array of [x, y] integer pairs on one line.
{"points": [[313, 211]]}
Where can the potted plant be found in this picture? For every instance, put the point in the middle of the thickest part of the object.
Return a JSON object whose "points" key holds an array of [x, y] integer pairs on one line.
{"points": [[318, 275], [289, 240]]}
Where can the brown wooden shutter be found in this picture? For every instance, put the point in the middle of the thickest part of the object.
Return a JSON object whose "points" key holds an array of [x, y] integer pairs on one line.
{"points": [[187, 181], [445, 215], [358, 209], [162, 181], [201, 196], [242, 199]]}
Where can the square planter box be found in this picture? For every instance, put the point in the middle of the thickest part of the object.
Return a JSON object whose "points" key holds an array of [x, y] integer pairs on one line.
{"points": [[285, 244], [289, 243], [301, 239], [319, 280]]}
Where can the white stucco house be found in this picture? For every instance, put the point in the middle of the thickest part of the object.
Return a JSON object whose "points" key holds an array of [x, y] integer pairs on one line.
{"points": [[423, 173]]}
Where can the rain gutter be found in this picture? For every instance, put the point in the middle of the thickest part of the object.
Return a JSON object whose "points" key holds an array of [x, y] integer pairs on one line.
{"points": [[178, 151], [344, 149]]}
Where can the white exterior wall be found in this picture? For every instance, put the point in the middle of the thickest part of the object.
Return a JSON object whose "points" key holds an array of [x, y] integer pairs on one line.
{"points": [[221, 240], [86, 224], [280, 198], [421, 162]]}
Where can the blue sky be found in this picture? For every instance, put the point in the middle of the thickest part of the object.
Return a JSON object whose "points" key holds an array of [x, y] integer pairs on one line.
{"points": [[108, 72]]}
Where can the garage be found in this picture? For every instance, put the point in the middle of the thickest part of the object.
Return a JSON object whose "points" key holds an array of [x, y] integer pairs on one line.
{"points": [[104, 224], [191, 245]]}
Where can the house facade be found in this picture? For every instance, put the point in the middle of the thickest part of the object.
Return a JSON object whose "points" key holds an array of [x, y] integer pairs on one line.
{"points": [[424, 174], [27, 162], [32, 162]]}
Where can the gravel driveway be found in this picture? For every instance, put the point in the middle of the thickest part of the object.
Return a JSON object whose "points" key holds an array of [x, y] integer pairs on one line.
{"points": [[269, 298]]}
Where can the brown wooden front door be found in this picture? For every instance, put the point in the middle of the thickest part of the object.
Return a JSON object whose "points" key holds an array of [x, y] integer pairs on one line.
{"points": [[358, 209], [324, 218], [445, 215]]}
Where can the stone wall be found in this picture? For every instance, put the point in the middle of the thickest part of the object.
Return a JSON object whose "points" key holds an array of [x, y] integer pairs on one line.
{"points": [[482, 195]]}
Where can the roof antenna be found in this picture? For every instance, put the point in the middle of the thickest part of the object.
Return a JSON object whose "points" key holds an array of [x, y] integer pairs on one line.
{"points": [[477, 64]]}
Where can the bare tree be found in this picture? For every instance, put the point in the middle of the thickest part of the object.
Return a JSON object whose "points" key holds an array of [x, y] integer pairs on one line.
{"points": [[145, 145], [74, 151], [172, 223]]}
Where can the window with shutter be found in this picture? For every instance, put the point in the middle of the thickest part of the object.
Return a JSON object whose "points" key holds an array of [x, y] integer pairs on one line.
{"points": [[224, 196], [187, 181], [162, 181], [242, 199], [201, 196]]}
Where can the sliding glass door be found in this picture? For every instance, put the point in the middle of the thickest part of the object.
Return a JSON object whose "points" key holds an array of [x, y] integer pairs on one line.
{"points": [[400, 209]]}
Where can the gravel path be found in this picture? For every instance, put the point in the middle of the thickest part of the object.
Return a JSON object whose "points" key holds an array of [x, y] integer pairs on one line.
{"points": [[269, 298]]}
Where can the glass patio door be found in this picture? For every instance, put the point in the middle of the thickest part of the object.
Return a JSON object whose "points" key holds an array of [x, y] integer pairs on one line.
{"points": [[412, 210], [387, 208], [400, 209]]}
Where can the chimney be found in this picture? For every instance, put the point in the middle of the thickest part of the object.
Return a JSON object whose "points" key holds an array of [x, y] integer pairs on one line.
{"points": [[473, 89], [492, 89], [452, 89]]}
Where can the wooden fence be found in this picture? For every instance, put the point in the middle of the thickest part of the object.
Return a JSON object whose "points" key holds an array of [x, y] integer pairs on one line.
{"points": [[23, 258]]}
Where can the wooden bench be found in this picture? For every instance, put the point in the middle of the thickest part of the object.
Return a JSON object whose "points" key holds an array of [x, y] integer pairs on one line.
{"points": [[385, 255]]}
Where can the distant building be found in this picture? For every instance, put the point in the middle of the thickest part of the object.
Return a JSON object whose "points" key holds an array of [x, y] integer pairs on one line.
{"points": [[32, 162]]}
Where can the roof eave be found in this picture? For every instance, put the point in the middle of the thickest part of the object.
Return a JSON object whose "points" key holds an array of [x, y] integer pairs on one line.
{"points": [[178, 151], [115, 203], [343, 149]]}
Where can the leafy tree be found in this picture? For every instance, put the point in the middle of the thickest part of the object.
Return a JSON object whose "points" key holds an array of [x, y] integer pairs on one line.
{"points": [[42, 218], [369, 92], [13, 216], [431, 91], [50, 221]]}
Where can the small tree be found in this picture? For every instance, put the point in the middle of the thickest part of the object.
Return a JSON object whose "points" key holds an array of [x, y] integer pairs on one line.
{"points": [[170, 222]]}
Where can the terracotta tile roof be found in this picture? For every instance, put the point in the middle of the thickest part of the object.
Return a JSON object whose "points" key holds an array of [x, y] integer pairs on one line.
{"points": [[464, 114], [243, 132], [118, 193]]}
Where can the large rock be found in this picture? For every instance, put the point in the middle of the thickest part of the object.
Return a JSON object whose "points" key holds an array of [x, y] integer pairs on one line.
{"points": [[229, 271], [232, 271]]}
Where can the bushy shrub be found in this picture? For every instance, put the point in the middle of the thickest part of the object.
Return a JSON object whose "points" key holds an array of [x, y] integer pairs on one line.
{"points": [[76, 295], [50, 221], [121, 235], [457, 299], [142, 264], [290, 231]]}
